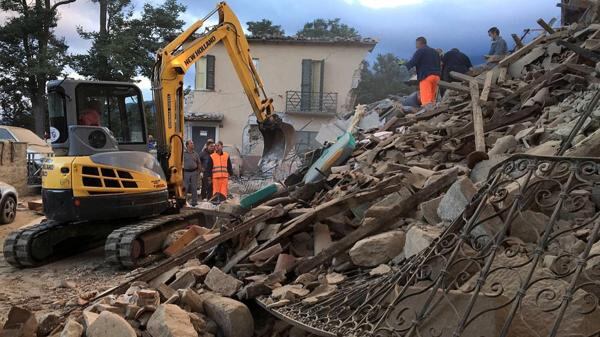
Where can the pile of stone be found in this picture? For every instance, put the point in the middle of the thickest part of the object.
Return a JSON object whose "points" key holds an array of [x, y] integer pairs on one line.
{"points": [[422, 164], [188, 301]]}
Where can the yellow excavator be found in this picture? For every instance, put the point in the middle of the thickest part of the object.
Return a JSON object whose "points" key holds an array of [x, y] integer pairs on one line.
{"points": [[103, 185]]}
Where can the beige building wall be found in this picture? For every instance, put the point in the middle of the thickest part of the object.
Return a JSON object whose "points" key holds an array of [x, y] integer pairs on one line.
{"points": [[280, 66]]}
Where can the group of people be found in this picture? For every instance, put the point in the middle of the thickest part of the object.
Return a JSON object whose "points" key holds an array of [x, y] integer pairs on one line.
{"points": [[432, 65], [214, 165]]}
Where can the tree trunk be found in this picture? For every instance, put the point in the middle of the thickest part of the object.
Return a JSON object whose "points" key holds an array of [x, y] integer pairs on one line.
{"points": [[103, 39], [38, 107]]}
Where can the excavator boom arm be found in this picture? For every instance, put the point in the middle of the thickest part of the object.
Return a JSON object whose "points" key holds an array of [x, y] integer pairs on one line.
{"points": [[174, 61]]}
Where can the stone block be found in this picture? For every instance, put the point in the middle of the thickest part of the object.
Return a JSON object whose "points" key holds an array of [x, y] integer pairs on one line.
{"points": [[377, 249], [219, 282], [233, 317], [170, 320], [109, 324]]}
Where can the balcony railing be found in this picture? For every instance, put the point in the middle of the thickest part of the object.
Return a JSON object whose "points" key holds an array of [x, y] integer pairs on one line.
{"points": [[311, 102]]}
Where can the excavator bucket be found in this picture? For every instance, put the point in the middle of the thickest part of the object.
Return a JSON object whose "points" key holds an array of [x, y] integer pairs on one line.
{"points": [[279, 138]]}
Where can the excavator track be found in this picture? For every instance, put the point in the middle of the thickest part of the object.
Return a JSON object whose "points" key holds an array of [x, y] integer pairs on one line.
{"points": [[127, 247], [124, 241], [50, 240]]}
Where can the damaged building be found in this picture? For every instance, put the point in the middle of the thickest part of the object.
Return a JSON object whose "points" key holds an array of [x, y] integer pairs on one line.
{"points": [[310, 80]]}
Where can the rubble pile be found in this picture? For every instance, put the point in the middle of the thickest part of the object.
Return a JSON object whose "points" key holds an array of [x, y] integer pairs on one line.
{"points": [[410, 182], [409, 179]]}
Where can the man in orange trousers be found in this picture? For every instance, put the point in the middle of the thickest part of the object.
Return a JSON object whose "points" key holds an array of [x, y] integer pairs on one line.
{"points": [[428, 64], [221, 168]]}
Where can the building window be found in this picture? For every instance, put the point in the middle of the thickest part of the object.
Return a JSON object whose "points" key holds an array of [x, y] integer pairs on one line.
{"points": [[306, 141], [256, 62], [311, 86], [205, 73]]}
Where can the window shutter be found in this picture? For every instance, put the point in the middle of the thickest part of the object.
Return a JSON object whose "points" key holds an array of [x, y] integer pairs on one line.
{"points": [[321, 86], [305, 85], [210, 72]]}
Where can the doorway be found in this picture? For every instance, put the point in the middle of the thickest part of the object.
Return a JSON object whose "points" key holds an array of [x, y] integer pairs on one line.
{"points": [[200, 134]]}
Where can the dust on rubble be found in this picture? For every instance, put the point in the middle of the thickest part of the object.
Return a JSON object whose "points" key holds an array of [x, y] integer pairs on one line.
{"points": [[55, 287]]}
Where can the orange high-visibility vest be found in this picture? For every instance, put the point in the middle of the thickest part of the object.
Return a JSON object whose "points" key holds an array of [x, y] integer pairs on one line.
{"points": [[219, 165]]}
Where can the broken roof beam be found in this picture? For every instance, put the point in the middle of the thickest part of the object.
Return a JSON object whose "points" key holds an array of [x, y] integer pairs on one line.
{"points": [[522, 51], [518, 43], [454, 86], [546, 26]]}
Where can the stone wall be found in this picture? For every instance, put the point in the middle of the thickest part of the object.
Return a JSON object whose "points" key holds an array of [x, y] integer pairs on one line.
{"points": [[13, 165]]}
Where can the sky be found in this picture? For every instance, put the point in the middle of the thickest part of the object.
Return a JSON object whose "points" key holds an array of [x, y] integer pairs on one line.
{"points": [[394, 23]]}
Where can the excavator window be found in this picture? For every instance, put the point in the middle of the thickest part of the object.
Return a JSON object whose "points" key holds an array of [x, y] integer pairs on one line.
{"points": [[58, 117], [119, 108]]}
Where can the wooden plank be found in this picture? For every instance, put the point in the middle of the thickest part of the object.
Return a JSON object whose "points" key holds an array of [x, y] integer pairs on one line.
{"points": [[377, 220], [522, 51], [477, 118], [518, 42], [546, 26], [464, 77], [502, 75], [454, 86], [487, 86]]}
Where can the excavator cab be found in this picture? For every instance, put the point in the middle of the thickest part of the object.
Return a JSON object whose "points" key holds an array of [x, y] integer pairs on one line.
{"points": [[102, 168], [114, 109]]}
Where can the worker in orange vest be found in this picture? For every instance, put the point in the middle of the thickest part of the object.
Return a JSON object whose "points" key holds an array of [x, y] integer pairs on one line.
{"points": [[221, 168]]}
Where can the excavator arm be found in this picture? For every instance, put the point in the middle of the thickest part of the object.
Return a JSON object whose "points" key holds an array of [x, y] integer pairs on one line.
{"points": [[174, 60]]}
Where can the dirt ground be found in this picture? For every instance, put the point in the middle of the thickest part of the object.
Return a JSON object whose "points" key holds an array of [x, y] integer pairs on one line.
{"points": [[55, 287]]}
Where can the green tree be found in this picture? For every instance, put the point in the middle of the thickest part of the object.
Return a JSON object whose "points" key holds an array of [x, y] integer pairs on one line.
{"points": [[15, 108], [328, 28], [30, 55], [385, 78], [125, 47], [264, 28]]}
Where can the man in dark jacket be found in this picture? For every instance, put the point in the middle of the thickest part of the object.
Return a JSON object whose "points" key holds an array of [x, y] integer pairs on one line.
{"points": [[454, 60], [427, 61], [206, 191]]}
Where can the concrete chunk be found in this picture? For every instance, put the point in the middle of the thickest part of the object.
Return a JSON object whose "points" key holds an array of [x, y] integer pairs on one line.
{"points": [[72, 329], [47, 323], [219, 282], [429, 210], [419, 238], [193, 299], [454, 201], [377, 249], [232, 317], [109, 324], [170, 320], [20, 323]]}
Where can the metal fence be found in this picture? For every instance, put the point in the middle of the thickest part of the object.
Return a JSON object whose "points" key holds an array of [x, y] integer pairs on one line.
{"points": [[311, 102]]}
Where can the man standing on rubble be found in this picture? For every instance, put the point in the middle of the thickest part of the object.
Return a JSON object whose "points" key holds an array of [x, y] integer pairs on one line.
{"points": [[427, 61], [220, 168], [498, 49], [206, 189]]}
